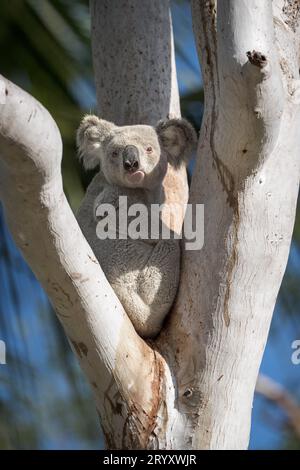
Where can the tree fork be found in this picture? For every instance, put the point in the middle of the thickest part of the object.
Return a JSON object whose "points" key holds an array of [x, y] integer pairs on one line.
{"points": [[191, 388]]}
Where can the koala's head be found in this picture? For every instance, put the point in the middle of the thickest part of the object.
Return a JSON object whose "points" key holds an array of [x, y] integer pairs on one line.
{"points": [[134, 156]]}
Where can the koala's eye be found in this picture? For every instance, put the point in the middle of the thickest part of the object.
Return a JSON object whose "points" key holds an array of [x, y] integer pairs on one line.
{"points": [[149, 149], [115, 153]]}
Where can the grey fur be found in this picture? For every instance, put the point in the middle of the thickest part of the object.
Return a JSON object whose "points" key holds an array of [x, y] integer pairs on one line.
{"points": [[144, 273]]}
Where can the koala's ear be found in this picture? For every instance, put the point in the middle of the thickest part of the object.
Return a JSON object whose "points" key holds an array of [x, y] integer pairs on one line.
{"points": [[89, 138], [178, 138]]}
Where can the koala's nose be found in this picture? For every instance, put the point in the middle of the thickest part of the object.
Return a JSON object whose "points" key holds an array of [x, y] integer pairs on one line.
{"points": [[130, 158]]}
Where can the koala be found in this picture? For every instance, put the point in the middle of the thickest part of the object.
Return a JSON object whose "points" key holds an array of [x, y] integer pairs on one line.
{"points": [[133, 161]]}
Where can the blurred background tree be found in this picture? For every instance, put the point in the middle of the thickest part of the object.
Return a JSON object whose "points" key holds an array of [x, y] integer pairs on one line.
{"points": [[44, 400]]}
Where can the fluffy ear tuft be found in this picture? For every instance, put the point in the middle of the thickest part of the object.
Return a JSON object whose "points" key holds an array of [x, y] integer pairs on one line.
{"points": [[178, 138], [90, 135]]}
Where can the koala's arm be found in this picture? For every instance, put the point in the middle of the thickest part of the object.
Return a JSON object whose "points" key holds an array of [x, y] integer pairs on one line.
{"points": [[147, 293], [144, 276], [97, 192]]}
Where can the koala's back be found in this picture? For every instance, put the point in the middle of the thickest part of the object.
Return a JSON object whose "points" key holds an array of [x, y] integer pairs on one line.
{"points": [[143, 274]]}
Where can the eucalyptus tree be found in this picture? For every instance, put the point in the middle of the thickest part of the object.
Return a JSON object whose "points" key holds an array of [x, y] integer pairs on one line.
{"points": [[192, 387]]}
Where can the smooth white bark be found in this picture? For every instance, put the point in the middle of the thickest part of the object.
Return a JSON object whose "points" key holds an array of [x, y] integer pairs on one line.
{"points": [[47, 232], [247, 176], [192, 387]]}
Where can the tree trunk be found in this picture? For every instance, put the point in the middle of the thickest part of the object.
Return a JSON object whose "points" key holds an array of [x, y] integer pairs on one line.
{"points": [[247, 177], [191, 388], [133, 52]]}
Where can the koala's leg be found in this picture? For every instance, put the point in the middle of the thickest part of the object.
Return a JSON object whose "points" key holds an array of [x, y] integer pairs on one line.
{"points": [[150, 296]]}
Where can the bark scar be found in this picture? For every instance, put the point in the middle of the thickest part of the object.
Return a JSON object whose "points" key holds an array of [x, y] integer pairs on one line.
{"points": [[80, 348], [257, 58]]}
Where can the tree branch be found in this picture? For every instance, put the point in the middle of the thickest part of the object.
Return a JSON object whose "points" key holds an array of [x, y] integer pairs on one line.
{"points": [[198, 393], [136, 39], [249, 78], [219, 326], [274, 392], [110, 352]]}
